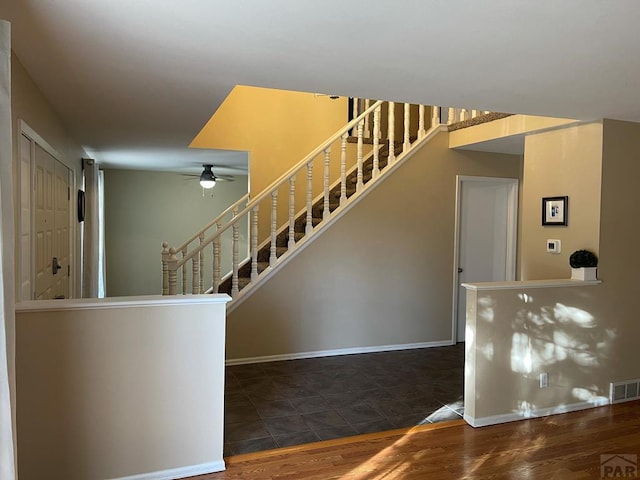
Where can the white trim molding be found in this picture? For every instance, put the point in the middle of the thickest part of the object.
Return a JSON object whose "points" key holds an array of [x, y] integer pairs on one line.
{"points": [[525, 284], [118, 302], [176, 473], [338, 351], [540, 412]]}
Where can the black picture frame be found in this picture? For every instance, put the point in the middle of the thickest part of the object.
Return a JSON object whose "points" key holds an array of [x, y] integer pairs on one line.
{"points": [[555, 211]]}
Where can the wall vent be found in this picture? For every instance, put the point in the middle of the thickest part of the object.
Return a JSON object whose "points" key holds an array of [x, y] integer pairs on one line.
{"points": [[624, 391]]}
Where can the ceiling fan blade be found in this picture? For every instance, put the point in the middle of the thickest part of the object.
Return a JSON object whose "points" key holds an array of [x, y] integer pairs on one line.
{"points": [[221, 178]]}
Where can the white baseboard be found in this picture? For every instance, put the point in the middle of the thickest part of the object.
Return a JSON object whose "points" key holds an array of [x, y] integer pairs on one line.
{"points": [[541, 412], [176, 473], [339, 351]]}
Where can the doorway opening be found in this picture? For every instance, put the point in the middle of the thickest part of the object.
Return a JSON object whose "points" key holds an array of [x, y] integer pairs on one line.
{"points": [[485, 238]]}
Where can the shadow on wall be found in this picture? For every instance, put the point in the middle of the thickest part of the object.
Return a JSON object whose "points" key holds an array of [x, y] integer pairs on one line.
{"points": [[566, 341]]}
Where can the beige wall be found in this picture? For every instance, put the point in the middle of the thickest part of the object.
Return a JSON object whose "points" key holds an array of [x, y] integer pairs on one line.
{"points": [[143, 209], [584, 336], [566, 161], [619, 233], [119, 387], [381, 275], [29, 105], [515, 334]]}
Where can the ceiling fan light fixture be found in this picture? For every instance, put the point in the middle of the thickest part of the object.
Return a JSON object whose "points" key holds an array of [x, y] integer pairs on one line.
{"points": [[207, 178]]}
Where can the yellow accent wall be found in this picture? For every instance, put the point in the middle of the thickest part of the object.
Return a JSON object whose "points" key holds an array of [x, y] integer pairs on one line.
{"points": [[277, 127]]}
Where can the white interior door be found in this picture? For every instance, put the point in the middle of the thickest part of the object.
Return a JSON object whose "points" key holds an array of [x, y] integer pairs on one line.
{"points": [[62, 229], [486, 241], [52, 227]]}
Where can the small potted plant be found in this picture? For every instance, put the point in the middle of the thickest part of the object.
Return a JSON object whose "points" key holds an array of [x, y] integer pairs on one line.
{"points": [[583, 265]]}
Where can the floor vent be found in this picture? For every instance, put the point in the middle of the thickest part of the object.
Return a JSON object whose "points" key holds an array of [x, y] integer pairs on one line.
{"points": [[624, 391]]}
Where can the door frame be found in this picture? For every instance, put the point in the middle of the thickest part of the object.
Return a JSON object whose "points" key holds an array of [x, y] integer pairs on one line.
{"points": [[29, 171], [512, 236]]}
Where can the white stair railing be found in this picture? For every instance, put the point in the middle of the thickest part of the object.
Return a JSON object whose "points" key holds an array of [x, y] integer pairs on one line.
{"points": [[320, 201], [170, 254], [455, 115]]}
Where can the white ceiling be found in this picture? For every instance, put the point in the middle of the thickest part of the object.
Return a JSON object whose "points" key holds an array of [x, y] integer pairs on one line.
{"points": [[132, 79]]}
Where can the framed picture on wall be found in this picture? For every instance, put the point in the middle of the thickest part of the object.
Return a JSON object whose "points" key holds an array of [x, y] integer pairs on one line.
{"points": [[554, 211]]}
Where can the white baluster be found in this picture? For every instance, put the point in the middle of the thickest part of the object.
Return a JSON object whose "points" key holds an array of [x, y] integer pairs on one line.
{"points": [[355, 114], [435, 116], [451, 116], [463, 114], [376, 143], [475, 113], [274, 225], [172, 266], [343, 170], [292, 213], [234, 258], [184, 272], [486, 112], [367, 104], [309, 226], [254, 243], [360, 180], [165, 268], [421, 130], [407, 120], [391, 132], [195, 282], [327, 160], [201, 256], [216, 260]]}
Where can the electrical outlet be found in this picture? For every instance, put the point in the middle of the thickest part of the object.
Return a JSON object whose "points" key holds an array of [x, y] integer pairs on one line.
{"points": [[544, 380]]}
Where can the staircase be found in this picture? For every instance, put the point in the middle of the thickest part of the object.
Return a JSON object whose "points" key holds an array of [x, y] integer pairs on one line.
{"points": [[244, 271], [196, 266]]}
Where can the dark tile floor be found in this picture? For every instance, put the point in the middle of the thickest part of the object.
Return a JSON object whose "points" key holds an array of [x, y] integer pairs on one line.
{"points": [[278, 404]]}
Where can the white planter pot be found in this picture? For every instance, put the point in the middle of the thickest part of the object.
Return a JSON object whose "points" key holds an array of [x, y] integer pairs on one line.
{"points": [[584, 273]]}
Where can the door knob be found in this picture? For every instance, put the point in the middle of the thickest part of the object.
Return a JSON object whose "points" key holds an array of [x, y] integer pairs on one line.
{"points": [[55, 266], [460, 270]]}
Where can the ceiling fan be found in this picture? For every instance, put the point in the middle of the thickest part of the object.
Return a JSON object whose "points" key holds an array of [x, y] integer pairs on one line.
{"points": [[207, 178]]}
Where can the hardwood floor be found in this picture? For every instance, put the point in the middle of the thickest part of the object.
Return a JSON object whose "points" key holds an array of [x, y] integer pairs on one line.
{"points": [[566, 446]]}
